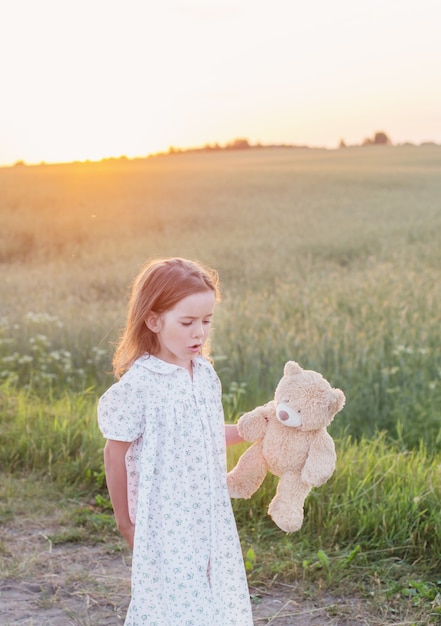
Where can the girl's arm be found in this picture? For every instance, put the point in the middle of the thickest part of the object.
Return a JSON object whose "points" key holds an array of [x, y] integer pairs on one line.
{"points": [[116, 478], [232, 434]]}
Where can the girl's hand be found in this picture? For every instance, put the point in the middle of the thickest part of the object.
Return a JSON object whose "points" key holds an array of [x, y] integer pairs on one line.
{"points": [[232, 435], [128, 532]]}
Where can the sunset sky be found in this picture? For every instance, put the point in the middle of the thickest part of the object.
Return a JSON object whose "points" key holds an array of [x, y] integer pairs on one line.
{"points": [[88, 79]]}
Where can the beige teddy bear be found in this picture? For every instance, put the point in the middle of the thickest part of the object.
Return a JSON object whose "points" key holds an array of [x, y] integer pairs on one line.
{"points": [[291, 441]]}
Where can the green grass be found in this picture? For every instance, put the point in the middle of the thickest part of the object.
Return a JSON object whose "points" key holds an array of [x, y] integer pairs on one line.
{"points": [[382, 500], [330, 258], [57, 439]]}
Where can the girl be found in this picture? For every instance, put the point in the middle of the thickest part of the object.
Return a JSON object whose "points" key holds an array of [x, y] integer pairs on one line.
{"points": [[165, 455]]}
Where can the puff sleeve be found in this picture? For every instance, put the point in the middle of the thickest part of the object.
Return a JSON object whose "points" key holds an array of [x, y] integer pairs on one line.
{"points": [[122, 408]]}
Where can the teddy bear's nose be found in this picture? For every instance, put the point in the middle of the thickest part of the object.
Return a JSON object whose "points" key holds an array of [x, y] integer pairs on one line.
{"points": [[288, 416]]}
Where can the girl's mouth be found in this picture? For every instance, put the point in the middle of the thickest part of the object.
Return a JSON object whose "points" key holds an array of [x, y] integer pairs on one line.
{"points": [[195, 348]]}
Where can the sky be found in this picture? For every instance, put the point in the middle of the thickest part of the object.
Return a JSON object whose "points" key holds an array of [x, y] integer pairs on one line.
{"points": [[89, 79]]}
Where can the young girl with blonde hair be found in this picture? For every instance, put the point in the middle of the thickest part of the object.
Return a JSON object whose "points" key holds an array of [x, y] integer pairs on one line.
{"points": [[165, 455]]}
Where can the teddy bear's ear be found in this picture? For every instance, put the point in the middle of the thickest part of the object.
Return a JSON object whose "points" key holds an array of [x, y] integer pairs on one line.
{"points": [[291, 368], [339, 399]]}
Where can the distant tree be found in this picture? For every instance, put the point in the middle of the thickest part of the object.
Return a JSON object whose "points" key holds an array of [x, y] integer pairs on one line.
{"points": [[238, 144], [342, 143], [381, 139], [19, 163]]}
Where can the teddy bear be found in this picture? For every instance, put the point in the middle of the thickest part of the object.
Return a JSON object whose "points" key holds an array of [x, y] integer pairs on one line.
{"points": [[291, 441]]}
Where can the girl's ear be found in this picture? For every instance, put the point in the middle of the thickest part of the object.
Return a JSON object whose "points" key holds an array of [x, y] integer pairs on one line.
{"points": [[153, 322]]}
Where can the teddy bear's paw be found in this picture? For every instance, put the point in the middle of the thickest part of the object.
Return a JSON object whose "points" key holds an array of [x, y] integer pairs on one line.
{"points": [[288, 520], [232, 489], [235, 489], [315, 478], [234, 493]]}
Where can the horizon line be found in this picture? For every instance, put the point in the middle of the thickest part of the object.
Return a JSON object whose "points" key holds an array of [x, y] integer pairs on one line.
{"points": [[239, 144]]}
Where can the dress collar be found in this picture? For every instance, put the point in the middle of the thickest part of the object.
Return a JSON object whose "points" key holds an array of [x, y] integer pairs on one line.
{"points": [[152, 363]]}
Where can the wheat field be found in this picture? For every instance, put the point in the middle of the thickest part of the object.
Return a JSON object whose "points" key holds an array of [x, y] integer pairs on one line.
{"points": [[330, 258]]}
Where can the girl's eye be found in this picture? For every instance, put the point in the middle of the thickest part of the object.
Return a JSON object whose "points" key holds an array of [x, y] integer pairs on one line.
{"points": [[186, 323], [207, 322]]}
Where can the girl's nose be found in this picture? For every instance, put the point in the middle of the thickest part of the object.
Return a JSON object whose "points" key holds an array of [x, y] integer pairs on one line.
{"points": [[198, 330]]}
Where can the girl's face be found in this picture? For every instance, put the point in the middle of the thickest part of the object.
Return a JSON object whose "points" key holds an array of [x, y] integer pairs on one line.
{"points": [[183, 330]]}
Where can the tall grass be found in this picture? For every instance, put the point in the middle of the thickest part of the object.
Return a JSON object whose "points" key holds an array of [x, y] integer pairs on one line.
{"points": [[381, 505], [383, 500], [54, 438], [376, 336]]}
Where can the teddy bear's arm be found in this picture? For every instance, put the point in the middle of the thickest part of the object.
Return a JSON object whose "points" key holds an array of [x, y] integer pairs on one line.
{"points": [[252, 425], [249, 473], [320, 463]]}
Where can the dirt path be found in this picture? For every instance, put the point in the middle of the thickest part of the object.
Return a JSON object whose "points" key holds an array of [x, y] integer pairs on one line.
{"points": [[79, 585]]}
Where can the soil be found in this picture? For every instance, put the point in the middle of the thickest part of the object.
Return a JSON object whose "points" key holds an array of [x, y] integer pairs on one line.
{"points": [[74, 584], [84, 585]]}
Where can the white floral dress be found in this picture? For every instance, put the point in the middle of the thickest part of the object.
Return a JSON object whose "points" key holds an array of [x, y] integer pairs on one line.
{"points": [[187, 567]]}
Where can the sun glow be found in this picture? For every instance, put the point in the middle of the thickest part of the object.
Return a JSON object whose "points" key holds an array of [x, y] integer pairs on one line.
{"points": [[88, 80]]}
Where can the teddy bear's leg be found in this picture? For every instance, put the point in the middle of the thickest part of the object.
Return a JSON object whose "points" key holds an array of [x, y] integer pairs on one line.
{"points": [[247, 476], [286, 508]]}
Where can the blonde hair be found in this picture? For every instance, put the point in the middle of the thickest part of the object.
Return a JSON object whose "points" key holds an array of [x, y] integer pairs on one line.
{"points": [[160, 285]]}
